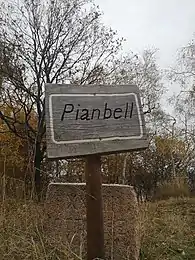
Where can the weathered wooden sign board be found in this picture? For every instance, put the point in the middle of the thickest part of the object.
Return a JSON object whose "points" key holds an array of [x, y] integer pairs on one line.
{"points": [[89, 121], [84, 120]]}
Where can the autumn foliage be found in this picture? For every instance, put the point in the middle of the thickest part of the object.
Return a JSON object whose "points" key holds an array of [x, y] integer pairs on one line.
{"points": [[16, 153]]}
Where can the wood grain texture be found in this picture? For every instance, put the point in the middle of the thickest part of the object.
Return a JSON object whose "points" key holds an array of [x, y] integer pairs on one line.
{"points": [[93, 119], [94, 212]]}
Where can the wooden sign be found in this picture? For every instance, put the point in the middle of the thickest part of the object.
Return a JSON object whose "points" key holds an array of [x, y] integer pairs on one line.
{"points": [[92, 119]]}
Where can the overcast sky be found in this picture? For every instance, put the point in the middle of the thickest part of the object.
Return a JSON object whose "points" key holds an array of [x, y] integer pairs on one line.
{"points": [[164, 24]]}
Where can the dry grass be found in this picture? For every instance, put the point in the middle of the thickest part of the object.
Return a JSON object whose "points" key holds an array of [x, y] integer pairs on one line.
{"points": [[22, 234], [168, 232], [178, 187]]}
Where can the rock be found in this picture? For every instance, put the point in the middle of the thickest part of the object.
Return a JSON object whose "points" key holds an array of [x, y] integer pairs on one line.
{"points": [[66, 219]]}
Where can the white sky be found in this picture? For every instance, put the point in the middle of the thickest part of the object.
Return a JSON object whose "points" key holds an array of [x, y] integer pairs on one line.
{"points": [[164, 24]]}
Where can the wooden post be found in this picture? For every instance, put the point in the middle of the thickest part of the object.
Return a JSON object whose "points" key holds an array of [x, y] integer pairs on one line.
{"points": [[95, 226]]}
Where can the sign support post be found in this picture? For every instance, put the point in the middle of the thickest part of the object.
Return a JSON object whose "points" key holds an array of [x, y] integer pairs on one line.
{"points": [[95, 227]]}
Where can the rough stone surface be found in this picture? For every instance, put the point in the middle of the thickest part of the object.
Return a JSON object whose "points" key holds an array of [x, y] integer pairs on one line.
{"points": [[66, 219]]}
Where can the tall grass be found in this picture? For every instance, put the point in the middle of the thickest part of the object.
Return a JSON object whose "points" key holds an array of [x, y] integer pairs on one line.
{"points": [[167, 227], [175, 188], [169, 230], [22, 234]]}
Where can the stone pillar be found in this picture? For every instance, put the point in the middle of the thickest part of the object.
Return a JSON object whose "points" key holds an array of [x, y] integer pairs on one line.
{"points": [[66, 219]]}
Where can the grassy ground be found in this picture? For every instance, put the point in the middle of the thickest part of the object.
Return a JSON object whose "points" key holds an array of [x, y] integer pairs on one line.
{"points": [[168, 232]]}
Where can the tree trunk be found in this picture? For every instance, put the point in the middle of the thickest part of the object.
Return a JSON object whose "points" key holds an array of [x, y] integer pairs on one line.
{"points": [[37, 170]]}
